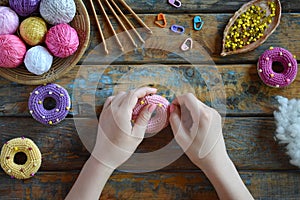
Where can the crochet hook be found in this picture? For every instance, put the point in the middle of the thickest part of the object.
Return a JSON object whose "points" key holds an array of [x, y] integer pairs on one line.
{"points": [[120, 22], [128, 22], [135, 15], [110, 25], [99, 27]]}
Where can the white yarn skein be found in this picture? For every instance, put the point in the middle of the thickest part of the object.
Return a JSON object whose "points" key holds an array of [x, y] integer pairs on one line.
{"points": [[288, 127], [38, 60], [58, 11]]}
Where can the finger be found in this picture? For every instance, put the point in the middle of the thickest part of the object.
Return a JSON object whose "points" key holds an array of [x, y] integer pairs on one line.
{"points": [[134, 95], [180, 134], [191, 103], [108, 102], [142, 121], [118, 99]]}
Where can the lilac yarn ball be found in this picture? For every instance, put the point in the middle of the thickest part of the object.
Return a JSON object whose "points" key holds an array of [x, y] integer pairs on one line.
{"points": [[53, 92], [24, 7], [274, 78], [9, 21]]}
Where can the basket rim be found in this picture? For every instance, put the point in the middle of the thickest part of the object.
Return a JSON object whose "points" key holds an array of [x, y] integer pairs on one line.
{"points": [[4, 72]]}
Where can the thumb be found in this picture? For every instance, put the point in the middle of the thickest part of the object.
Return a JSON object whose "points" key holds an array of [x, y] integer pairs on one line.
{"points": [[142, 120]]}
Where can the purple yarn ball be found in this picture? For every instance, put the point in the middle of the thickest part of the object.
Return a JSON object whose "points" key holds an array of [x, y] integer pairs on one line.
{"points": [[24, 7]]}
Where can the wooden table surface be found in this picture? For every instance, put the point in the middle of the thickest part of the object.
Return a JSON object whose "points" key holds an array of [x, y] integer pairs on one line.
{"points": [[248, 130]]}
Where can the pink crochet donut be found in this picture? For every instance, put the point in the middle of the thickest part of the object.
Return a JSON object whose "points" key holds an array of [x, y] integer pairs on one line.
{"points": [[267, 73], [161, 117]]}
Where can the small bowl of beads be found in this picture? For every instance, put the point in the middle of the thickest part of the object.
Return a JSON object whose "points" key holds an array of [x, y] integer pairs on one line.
{"points": [[42, 41], [251, 26]]}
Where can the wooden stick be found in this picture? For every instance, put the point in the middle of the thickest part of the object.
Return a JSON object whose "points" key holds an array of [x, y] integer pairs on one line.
{"points": [[126, 19], [110, 25], [99, 27], [135, 15], [120, 22]]}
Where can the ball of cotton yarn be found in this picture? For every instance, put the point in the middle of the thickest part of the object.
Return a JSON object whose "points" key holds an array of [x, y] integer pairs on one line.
{"points": [[9, 21], [12, 50], [33, 30], [62, 40], [24, 7], [57, 11], [38, 60]]}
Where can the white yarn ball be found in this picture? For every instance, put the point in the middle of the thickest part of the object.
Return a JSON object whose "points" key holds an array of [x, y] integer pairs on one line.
{"points": [[57, 11], [38, 60]]}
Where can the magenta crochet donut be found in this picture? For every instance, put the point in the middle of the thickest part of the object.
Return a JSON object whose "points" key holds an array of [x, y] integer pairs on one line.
{"points": [[280, 78], [161, 117], [60, 108]]}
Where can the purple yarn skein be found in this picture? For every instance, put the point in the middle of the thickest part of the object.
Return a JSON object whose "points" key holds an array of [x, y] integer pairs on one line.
{"points": [[24, 7], [55, 115]]}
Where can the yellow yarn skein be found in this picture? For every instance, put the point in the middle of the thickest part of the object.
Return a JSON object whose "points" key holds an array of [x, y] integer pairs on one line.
{"points": [[33, 30]]}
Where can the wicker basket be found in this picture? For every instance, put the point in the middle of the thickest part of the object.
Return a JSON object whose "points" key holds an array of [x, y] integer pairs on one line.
{"points": [[60, 66]]}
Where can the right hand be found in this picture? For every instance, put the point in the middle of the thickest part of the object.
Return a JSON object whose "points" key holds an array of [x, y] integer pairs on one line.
{"points": [[197, 129]]}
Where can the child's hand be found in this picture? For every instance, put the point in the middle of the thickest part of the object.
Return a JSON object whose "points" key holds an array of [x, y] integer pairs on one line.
{"points": [[198, 130], [117, 139]]}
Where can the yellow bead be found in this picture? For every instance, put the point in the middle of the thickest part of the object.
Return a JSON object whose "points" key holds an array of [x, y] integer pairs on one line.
{"points": [[50, 122], [142, 102], [271, 48], [16, 148], [160, 105], [40, 102]]}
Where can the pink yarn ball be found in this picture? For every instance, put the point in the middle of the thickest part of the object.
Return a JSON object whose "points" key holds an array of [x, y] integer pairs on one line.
{"points": [[62, 40], [12, 51], [9, 21]]}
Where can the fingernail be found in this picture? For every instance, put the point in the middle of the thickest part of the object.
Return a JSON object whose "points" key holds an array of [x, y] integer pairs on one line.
{"points": [[172, 108], [152, 107]]}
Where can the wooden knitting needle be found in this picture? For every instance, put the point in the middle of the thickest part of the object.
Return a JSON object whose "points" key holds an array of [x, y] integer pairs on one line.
{"points": [[120, 22], [126, 19], [99, 27], [110, 25], [135, 15]]}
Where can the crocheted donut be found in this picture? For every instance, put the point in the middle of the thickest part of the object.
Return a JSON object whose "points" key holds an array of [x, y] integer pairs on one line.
{"points": [[17, 170], [161, 117], [53, 92], [277, 79]]}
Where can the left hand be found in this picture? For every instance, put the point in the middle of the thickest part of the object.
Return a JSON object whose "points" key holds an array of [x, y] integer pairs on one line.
{"points": [[117, 139]]}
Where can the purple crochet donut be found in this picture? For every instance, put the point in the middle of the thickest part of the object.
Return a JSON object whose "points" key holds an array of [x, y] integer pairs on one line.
{"points": [[161, 118], [54, 92], [277, 79]]}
